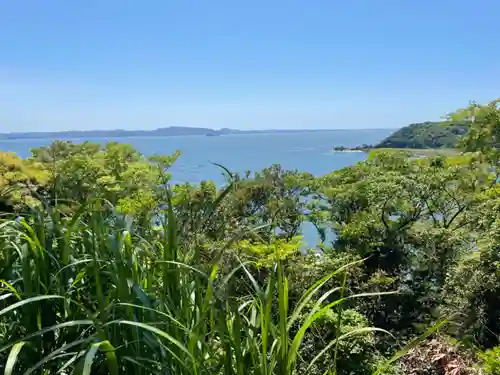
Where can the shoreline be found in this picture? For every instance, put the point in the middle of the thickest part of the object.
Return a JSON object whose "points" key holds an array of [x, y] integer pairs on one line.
{"points": [[413, 151], [347, 151]]}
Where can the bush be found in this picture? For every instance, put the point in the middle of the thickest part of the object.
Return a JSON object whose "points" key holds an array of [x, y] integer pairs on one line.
{"points": [[491, 360]]}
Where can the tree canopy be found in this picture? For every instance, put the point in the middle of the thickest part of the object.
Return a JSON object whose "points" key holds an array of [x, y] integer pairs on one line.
{"points": [[106, 266], [426, 135]]}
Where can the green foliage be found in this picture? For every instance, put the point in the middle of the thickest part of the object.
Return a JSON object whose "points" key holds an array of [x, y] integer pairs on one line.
{"points": [[94, 297], [271, 200], [491, 360], [412, 219], [116, 173], [20, 180], [355, 356], [267, 254], [485, 123], [110, 268], [426, 135]]}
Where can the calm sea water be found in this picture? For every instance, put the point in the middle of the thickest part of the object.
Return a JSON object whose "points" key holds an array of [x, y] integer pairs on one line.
{"points": [[308, 151]]}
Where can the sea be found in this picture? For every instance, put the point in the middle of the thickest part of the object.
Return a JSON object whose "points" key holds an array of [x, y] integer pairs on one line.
{"points": [[303, 151]]}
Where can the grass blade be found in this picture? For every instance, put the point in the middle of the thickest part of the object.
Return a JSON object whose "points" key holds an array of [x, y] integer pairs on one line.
{"points": [[12, 358], [109, 352], [27, 301]]}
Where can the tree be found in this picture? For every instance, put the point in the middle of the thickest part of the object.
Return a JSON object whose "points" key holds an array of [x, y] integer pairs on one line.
{"points": [[21, 182], [411, 218], [116, 173], [484, 133]]}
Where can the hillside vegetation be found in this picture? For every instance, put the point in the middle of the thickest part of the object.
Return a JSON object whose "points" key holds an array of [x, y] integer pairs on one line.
{"points": [[426, 135], [107, 267]]}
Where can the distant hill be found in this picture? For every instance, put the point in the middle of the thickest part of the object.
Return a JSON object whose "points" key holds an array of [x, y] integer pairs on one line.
{"points": [[426, 135], [160, 132], [170, 131]]}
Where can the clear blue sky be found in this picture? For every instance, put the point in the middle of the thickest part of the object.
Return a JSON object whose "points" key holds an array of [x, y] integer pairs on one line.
{"points": [[99, 64]]}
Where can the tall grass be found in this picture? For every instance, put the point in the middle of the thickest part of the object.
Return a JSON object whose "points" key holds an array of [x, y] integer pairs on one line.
{"points": [[89, 295]]}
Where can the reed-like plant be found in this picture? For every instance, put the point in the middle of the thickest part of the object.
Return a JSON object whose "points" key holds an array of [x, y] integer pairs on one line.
{"points": [[85, 294]]}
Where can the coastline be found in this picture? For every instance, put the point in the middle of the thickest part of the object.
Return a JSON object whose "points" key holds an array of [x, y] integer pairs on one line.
{"points": [[413, 151]]}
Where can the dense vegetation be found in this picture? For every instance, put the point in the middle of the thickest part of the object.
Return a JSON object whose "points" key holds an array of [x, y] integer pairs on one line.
{"points": [[426, 135], [106, 267]]}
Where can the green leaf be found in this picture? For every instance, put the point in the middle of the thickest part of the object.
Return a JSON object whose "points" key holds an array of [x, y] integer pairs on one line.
{"points": [[12, 358]]}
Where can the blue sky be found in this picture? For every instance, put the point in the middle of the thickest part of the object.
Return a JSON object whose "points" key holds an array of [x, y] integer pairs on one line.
{"points": [[106, 64]]}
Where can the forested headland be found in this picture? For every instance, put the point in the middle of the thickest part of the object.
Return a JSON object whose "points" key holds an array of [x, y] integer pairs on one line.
{"points": [[107, 267], [427, 135], [442, 135]]}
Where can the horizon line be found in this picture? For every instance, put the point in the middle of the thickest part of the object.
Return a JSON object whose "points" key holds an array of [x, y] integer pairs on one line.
{"points": [[194, 128]]}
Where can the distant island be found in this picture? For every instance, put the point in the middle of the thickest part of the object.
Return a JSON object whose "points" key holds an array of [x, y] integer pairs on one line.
{"points": [[160, 132], [418, 136]]}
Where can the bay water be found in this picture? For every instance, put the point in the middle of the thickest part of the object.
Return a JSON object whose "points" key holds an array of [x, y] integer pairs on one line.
{"points": [[304, 151]]}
